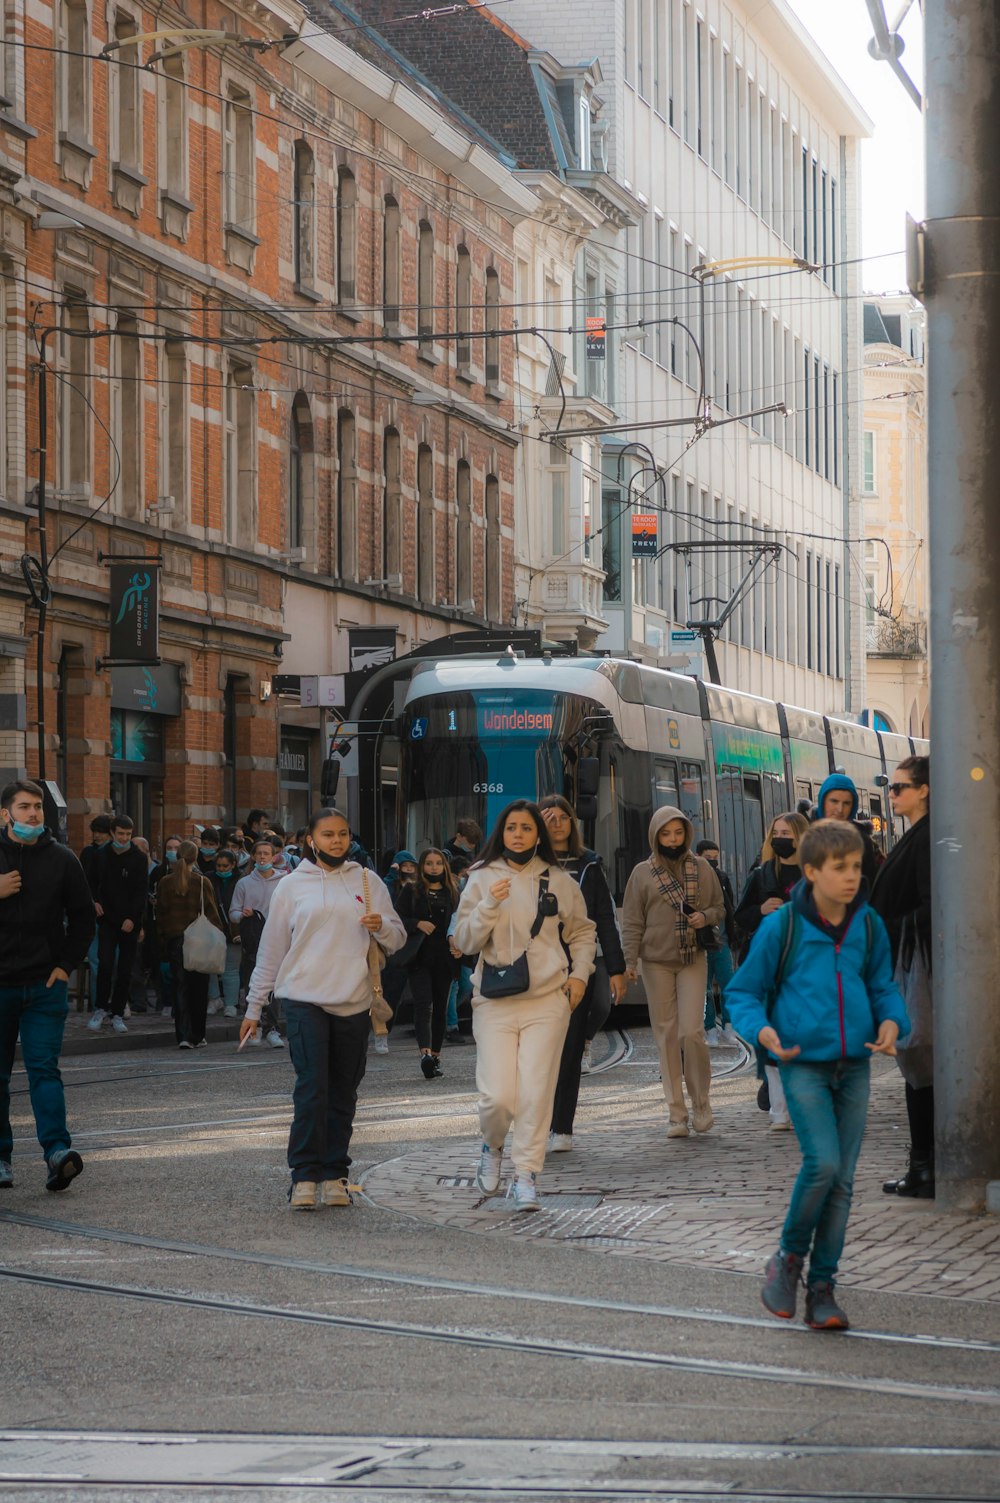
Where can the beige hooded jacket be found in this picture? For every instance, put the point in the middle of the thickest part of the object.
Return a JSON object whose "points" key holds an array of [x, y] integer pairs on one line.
{"points": [[649, 926]]}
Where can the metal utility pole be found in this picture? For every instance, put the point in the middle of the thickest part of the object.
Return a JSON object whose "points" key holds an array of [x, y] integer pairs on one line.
{"points": [[960, 286]]}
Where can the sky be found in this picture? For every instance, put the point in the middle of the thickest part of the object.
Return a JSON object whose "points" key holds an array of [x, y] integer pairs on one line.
{"points": [[892, 178]]}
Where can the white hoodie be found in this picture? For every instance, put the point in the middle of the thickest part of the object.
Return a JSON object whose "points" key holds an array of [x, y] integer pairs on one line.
{"points": [[314, 947], [501, 931]]}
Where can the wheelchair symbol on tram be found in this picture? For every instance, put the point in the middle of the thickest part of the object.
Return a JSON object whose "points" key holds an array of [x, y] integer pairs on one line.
{"points": [[418, 730]]}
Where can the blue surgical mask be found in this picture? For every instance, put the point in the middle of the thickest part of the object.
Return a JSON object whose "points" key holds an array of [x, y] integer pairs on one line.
{"points": [[209, 850], [26, 832], [119, 845], [223, 875], [265, 869], [171, 856]]}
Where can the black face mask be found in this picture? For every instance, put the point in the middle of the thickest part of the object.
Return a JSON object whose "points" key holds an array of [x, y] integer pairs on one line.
{"points": [[783, 846], [519, 858], [331, 861], [671, 851]]}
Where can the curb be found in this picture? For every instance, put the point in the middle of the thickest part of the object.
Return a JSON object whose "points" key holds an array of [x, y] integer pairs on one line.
{"points": [[107, 1042]]}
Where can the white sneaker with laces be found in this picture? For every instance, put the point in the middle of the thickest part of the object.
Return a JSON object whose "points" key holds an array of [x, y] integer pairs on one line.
{"points": [[96, 1021], [213, 1007], [525, 1193], [381, 1043], [713, 1038], [275, 1040], [488, 1173], [560, 1142], [118, 1024], [586, 1063], [229, 1012], [257, 1039]]}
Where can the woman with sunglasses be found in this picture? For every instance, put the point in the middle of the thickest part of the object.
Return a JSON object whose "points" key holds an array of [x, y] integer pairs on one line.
{"points": [[585, 868], [902, 898]]}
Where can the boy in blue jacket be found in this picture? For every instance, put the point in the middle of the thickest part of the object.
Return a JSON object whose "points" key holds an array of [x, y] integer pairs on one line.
{"points": [[816, 991]]}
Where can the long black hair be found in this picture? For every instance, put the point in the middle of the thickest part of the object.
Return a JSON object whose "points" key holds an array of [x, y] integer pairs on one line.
{"points": [[494, 849]]}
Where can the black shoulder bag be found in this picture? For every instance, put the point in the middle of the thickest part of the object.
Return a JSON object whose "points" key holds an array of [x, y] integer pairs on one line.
{"points": [[514, 978]]}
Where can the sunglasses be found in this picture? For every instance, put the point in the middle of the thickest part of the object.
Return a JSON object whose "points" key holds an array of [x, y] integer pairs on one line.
{"points": [[896, 788]]}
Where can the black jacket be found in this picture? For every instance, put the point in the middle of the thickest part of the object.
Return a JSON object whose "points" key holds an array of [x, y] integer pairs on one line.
{"points": [[415, 905], [762, 884], [89, 858], [50, 922], [121, 885], [601, 909], [902, 889]]}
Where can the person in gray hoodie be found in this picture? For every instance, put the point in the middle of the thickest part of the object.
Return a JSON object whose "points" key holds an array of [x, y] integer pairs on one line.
{"points": [[669, 900]]}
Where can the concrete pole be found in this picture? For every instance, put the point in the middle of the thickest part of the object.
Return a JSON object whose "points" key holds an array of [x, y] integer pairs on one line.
{"points": [[962, 297]]}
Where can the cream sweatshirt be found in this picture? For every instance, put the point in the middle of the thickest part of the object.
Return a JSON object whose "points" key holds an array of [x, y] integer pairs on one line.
{"points": [[314, 947], [501, 931]]}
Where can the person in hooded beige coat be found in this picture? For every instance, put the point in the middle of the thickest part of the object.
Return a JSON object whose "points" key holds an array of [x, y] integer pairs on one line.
{"points": [[668, 900]]}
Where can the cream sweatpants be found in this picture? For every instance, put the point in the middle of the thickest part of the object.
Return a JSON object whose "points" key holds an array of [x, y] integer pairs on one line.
{"points": [[677, 1017], [519, 1045]]}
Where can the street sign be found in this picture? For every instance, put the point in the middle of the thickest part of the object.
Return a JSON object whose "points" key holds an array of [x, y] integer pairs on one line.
{"points": [[325, 692], [678, 637], [644, 535]]}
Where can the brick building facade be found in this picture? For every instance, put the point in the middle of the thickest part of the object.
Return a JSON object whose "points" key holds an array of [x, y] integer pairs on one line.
{"points": [[266, 271]]}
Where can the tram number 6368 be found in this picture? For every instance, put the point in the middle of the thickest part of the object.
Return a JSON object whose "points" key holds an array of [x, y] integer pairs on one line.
{"points": [[487, 788]]}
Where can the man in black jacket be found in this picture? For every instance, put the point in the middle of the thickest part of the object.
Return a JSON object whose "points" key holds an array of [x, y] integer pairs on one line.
{"points": [[46, 924], [120, 889]]}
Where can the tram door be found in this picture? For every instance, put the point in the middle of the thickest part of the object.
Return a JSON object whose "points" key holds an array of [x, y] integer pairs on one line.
{"points": [[741, 820]]}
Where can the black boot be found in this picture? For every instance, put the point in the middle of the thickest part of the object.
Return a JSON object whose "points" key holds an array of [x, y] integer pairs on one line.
{"points": [[918, 1181]]}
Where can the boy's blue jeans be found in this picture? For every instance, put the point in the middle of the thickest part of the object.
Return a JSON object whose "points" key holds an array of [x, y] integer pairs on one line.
{"points": [[828, 1105], [38, 1012]]}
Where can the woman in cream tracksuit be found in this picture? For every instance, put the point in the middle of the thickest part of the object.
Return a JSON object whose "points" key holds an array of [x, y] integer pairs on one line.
{"points": [[668, 899], [313, 955], [520, 1038]]}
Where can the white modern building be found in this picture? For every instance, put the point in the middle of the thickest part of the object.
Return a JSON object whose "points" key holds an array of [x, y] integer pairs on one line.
{"points": [[742, 147]]}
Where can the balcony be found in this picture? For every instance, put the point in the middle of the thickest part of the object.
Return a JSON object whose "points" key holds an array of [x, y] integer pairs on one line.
{"points": [[571, 595], [886, 638]]}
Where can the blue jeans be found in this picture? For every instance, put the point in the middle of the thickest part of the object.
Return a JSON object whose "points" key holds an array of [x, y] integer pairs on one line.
{"points": [[329, 1056], [828, 1105], [227, 985], [459, 991], [38, 1013], [720, 969]]}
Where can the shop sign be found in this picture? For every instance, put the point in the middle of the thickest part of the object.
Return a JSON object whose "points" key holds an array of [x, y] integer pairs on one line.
{"points": [[644, 535], [371, 647], [293, 761], [135, 612], [597, 338], [152, 691]]}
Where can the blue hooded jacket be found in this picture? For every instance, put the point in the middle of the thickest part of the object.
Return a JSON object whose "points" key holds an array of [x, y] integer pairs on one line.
{"points": [[837, 782], [825, 1005]]}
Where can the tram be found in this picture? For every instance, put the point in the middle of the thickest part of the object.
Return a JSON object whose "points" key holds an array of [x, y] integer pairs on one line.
{"points": [[619, 740]]}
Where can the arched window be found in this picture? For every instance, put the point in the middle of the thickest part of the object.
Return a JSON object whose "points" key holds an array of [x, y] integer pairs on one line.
{"points": [[347, 496], [347, 241], [390, 261], [494, 549], [301, 475], [463, 309], [492, 324], [463, 539], [425, 282], [392, 506], [425, 525], [304, 215]]}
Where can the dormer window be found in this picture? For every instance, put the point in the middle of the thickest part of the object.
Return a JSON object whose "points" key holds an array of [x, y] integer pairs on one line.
{"points": [[583, 134]]}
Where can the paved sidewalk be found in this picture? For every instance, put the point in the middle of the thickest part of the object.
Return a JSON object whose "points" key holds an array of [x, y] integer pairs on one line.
{"points": [[717, 1199]]}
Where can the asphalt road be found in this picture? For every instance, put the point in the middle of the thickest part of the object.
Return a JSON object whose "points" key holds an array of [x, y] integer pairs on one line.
{"points": [[171, 1297]]}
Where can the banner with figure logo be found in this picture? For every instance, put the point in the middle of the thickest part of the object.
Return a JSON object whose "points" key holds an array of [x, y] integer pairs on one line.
{"points": [[135, 612]]}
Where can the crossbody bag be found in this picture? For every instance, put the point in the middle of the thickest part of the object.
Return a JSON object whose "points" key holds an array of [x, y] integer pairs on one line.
{"points": [[514, 978]]}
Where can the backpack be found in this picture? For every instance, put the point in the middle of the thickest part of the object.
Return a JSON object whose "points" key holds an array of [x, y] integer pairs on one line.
{"points": [[790, 940]]}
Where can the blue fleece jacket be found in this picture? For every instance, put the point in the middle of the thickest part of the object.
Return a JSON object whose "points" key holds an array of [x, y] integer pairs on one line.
{"points": [[837, 782], [825, 1004]]}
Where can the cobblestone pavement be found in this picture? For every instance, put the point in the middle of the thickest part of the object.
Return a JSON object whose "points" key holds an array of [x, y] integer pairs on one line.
{"points": [[716, 1199]]}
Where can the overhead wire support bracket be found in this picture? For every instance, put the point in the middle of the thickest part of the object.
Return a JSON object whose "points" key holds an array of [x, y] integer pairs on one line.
{"points": [[709, 630]]}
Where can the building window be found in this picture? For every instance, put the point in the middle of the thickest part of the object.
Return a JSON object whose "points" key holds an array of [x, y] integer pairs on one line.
{"points": [[304, 215], [238, 157], [611, 534], [173, 154], [240, 448], [8, 65], [463, 309], [74, 75], [494, 549], [392, 506], [868, 462], [126, 96], [464, 590], [301, 480], [6, 307], [128, 412], [391, 271], [425, 525], [347, 496], [583, 149], [74, 415], [174, 429], [230, 715], [347, 236], [492, 327], [557, 493], [425, 283]]}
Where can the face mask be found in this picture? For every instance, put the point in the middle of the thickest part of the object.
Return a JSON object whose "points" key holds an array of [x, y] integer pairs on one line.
{"points": [[209, 850], [171, 856], [332, 861], [223, 875], [519, 858], [26, 832], [783, 846], [713, 864], [120, 845], [671, 850], [265, 867]]}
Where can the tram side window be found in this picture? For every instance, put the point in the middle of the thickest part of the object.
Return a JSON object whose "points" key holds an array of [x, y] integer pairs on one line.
{"points": [[803, 790], [730, 841], [665, 785], [753, 818], [878, 820], [693, 798], [774, 798]]}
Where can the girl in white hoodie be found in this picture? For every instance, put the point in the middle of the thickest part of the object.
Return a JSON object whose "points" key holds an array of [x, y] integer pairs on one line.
{"points": [[520, 1037], [313, 956]]}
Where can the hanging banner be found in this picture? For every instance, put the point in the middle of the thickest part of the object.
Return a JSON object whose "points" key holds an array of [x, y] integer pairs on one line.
{"points": [[597, 338], [370, 647], [644, 535], [135, 612]]}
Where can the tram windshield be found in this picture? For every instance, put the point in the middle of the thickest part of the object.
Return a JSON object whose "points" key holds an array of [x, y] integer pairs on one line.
{"points": [[467, 755]]}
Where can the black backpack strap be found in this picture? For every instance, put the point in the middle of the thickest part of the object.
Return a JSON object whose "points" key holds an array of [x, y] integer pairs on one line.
{"points": [[543, 887]]}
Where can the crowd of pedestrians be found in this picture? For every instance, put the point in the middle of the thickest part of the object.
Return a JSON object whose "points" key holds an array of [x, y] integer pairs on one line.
{"points": [[523, 923]]}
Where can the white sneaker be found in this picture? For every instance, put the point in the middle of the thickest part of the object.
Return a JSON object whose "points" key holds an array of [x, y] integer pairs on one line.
{"points": [[275, 1040], [729, 1034], [779, 1124], [525, 1193], [213, 1007], [256, 1039], [488, 1173], [229, 1012], [560, 1142], [381, 1043], [95, 1023], [713, 1038], [586, 1063], [118, 1024], [128, 1011], [167, 1013]]}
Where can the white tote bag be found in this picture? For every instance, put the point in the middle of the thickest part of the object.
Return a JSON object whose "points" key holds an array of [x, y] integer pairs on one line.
{"points": [[204, 944]]}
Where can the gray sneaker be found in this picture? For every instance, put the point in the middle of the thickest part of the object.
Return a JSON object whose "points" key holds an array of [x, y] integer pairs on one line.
{"points": [[64, 1165], [822, 1311], [6, 1175], [781, 1284]]}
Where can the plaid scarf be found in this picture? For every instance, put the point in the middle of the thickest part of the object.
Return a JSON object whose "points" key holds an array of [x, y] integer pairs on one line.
{"points": [[677, 894]]}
